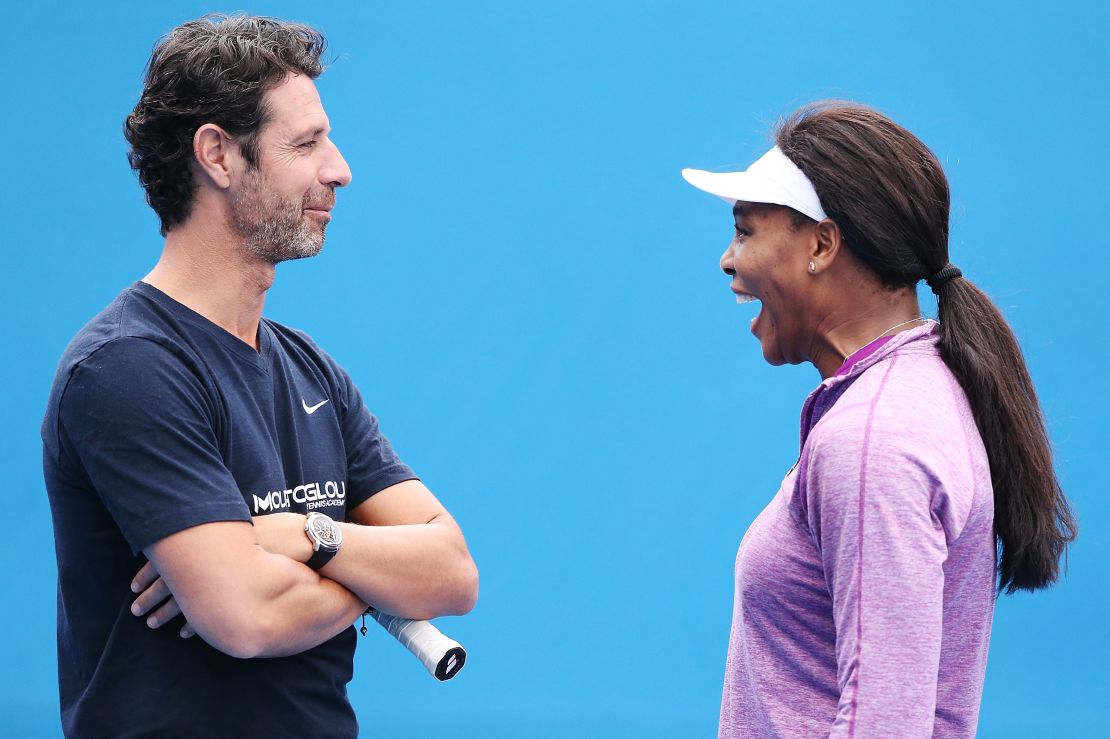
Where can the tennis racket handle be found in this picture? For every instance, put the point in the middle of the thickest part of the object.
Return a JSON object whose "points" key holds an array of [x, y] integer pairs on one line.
{"points": [[442, 656]]}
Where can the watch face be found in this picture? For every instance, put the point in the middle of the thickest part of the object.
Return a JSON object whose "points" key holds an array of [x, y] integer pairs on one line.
{"points": [[324, 531]]}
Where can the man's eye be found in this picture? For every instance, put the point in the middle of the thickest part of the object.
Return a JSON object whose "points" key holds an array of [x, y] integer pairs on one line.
{"points": [[307, 144]]}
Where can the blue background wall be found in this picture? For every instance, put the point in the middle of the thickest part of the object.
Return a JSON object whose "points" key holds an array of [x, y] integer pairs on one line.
{"points": [[528, 295]]}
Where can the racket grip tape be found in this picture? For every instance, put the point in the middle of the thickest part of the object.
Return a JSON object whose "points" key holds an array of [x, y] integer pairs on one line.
{"points": [[443, 656]]}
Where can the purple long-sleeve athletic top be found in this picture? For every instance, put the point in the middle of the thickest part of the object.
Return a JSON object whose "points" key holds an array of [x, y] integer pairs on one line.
{"points": [[865, 590]]}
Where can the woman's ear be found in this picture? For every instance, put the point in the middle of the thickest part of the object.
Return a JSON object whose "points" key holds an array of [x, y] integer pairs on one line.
{"points": [[826, 246]]}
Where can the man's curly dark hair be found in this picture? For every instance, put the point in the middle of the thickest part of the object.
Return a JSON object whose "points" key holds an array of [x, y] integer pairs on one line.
{"points": [[216, 69]]}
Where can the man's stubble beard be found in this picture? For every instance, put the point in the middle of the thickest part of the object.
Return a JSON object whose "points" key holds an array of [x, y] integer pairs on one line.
{"points": [[274, 229]]}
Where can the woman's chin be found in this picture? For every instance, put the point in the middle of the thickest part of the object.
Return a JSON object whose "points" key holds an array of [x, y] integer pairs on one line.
{"points": [[763, 329], [771, 353], [773, 358]]}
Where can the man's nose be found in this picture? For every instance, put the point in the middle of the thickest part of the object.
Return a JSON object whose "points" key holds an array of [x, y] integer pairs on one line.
{"points": [[336, 173]]}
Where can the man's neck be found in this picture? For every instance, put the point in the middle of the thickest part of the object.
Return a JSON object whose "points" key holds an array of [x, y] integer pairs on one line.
{"points": [[206, 270]]}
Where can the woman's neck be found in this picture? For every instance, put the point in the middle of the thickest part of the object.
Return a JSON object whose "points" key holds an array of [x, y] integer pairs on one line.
{"points": [[858, 321]]}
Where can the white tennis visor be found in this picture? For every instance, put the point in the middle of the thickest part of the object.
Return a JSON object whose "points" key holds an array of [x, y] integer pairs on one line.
{"points": [[773, 178]]}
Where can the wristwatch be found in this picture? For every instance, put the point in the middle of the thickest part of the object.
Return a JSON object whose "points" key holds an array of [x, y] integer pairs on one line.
{"points": [[325, 535]]}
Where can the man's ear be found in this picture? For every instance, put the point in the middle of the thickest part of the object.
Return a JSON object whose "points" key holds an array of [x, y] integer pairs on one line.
{"points": [[827, 244], [213, 153]]}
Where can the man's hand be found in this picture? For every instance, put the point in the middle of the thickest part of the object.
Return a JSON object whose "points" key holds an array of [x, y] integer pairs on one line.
{"points": [[153, 592], [278, 533]]}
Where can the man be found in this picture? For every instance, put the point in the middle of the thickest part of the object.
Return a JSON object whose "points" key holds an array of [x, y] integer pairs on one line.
{"points": [[204, 462]]}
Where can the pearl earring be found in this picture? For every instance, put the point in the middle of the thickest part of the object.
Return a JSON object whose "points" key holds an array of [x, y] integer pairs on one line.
{"points": [[812, 267]]}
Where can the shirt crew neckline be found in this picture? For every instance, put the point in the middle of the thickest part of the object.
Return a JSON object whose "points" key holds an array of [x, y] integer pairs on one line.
{"points": [[233, 343]]}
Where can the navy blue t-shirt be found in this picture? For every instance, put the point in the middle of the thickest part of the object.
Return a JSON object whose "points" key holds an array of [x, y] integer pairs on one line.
{"points": [[159, 420]]}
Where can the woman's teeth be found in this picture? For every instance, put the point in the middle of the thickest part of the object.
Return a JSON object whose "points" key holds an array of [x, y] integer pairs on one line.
{"points": [[744, 298]]}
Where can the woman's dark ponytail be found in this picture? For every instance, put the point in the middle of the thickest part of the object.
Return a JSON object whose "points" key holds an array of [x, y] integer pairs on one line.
{"points": [[888, 194], [1033, 522]]}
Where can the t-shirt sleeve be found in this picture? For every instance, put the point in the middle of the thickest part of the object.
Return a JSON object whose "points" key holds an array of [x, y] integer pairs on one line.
{"points": [[372, 465], [141, 426], [871, 506]]}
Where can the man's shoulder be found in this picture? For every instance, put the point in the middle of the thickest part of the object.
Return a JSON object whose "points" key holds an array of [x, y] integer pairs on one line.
{"points": [[120, 354], [127, 330], [98, 331]]}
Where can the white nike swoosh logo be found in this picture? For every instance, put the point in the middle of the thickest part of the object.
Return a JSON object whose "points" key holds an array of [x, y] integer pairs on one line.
{"points": [[310, 409]]}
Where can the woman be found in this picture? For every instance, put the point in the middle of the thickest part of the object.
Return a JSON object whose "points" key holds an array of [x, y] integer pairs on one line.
{"points": [[865, 590]]}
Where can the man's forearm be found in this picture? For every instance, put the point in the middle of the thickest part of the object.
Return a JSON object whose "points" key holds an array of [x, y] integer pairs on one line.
{"points": [[415, 571], [305, 611], [240, 598], [413, 562]]}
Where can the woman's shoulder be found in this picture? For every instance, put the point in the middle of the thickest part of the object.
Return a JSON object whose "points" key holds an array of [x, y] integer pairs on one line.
{"points": [[907, 416], [907, 395], [909, 407]]}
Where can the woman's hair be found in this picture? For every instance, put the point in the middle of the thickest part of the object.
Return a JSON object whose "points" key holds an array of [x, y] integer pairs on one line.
{"points": [[888, 194], [213, 70]]}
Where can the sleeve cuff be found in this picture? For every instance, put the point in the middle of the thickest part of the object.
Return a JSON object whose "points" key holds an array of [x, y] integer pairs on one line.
{"points": [[382, 479], [158, 528]]}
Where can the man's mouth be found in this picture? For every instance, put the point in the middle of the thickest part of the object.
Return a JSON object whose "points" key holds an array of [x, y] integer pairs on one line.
{"points": [[320, 212], [324, 205]]}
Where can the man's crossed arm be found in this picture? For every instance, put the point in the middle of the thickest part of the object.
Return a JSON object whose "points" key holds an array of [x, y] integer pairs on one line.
{"points": [[247, 592]]}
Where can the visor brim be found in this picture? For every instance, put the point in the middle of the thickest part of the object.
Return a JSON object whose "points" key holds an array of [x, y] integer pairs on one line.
{"points": [[746, 187]]}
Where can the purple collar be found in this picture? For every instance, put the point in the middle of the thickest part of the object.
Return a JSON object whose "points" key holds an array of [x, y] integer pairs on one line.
{"points": [[861, 354]]}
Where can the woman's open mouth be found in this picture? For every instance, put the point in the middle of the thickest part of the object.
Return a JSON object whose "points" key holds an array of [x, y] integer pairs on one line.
{"points": [[743, 297]]}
